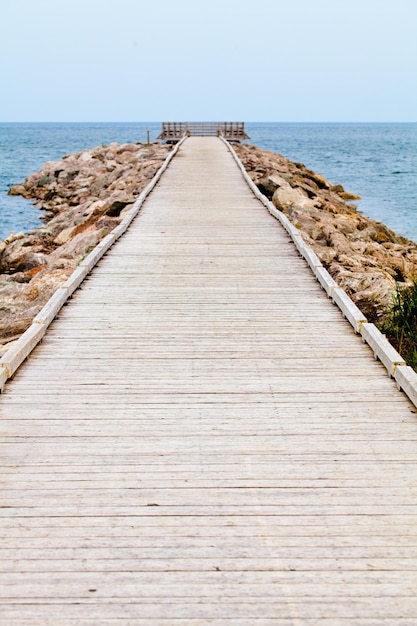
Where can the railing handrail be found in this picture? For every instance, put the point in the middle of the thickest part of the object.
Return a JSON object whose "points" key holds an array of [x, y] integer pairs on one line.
{"points": [[229, 130]]}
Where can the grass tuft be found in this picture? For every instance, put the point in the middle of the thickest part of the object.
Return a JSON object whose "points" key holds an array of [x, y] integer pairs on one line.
{"points": [[400, 323]]}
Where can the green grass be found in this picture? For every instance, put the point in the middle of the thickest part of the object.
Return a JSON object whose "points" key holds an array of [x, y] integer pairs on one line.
{"points": [[400, 323]]}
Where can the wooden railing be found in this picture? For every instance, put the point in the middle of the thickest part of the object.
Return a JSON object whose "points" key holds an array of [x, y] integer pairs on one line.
{"points": [[174, 131]]}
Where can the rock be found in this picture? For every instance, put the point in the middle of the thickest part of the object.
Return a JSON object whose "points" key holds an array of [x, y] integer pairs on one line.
{"points": [[340, 243], [95, 208], [16, 190], [349, 196], [16, 258], [117, 207], [64, 235], [77, 246], [286, 197], [43, 285], [13, 327], [320, 181], [8, 343], [270, 184], [14, 237], [27, 275], [345, 195]]}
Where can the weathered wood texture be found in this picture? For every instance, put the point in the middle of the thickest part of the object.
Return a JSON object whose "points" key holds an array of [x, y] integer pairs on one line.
{"points": [[201, 439], [232, 131]]}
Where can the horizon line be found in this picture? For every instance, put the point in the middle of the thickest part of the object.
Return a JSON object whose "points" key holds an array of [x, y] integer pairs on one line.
{"points": [[193, 121]]}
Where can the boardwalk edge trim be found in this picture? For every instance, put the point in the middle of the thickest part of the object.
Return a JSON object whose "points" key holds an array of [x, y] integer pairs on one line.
{"points": [[405, 376], [15, 356]]}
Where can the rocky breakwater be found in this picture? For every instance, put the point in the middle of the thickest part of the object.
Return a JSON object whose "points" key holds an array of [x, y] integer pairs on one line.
{"points": [[83, 197], [364, 257]]}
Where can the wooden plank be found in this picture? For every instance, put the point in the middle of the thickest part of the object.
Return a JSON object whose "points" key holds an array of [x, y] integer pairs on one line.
{"points": [[381, 347], [15, 356], [202, 439]]}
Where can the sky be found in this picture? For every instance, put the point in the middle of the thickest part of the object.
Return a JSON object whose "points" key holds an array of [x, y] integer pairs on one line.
{"points": [[257, 60]]}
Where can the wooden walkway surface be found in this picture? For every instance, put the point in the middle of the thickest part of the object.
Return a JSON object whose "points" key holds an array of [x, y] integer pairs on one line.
{"points": [[201, 439]]}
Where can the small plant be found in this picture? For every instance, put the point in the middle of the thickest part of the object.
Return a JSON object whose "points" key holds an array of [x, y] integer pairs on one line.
{"points": [[45, 180], [85, 255], [400, 324]]}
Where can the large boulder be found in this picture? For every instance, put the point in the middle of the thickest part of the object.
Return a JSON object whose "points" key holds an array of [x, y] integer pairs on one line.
{"points": [[286, 197], [17, 190], [19, 258]]}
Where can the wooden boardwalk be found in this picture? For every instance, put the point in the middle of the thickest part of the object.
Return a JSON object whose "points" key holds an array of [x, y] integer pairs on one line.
{"points": [[201, 439]]}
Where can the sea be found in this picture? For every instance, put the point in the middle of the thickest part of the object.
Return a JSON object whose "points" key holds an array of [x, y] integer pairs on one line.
{"points": [[374, 160]]}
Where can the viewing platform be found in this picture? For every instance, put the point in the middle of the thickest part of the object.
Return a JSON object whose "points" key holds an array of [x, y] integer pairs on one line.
{"points": [[175, 131], [201, 438]]}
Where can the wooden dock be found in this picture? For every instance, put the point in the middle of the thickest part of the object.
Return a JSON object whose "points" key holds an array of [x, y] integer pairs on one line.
{"points": [[173, 132], [201, 439]]}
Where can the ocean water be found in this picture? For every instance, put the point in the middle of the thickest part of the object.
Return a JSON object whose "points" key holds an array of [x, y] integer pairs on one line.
{"points": [[376, 161]]}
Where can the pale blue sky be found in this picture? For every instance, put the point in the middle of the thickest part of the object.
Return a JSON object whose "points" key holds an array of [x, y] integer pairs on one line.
{"points": [[263, 60]]}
